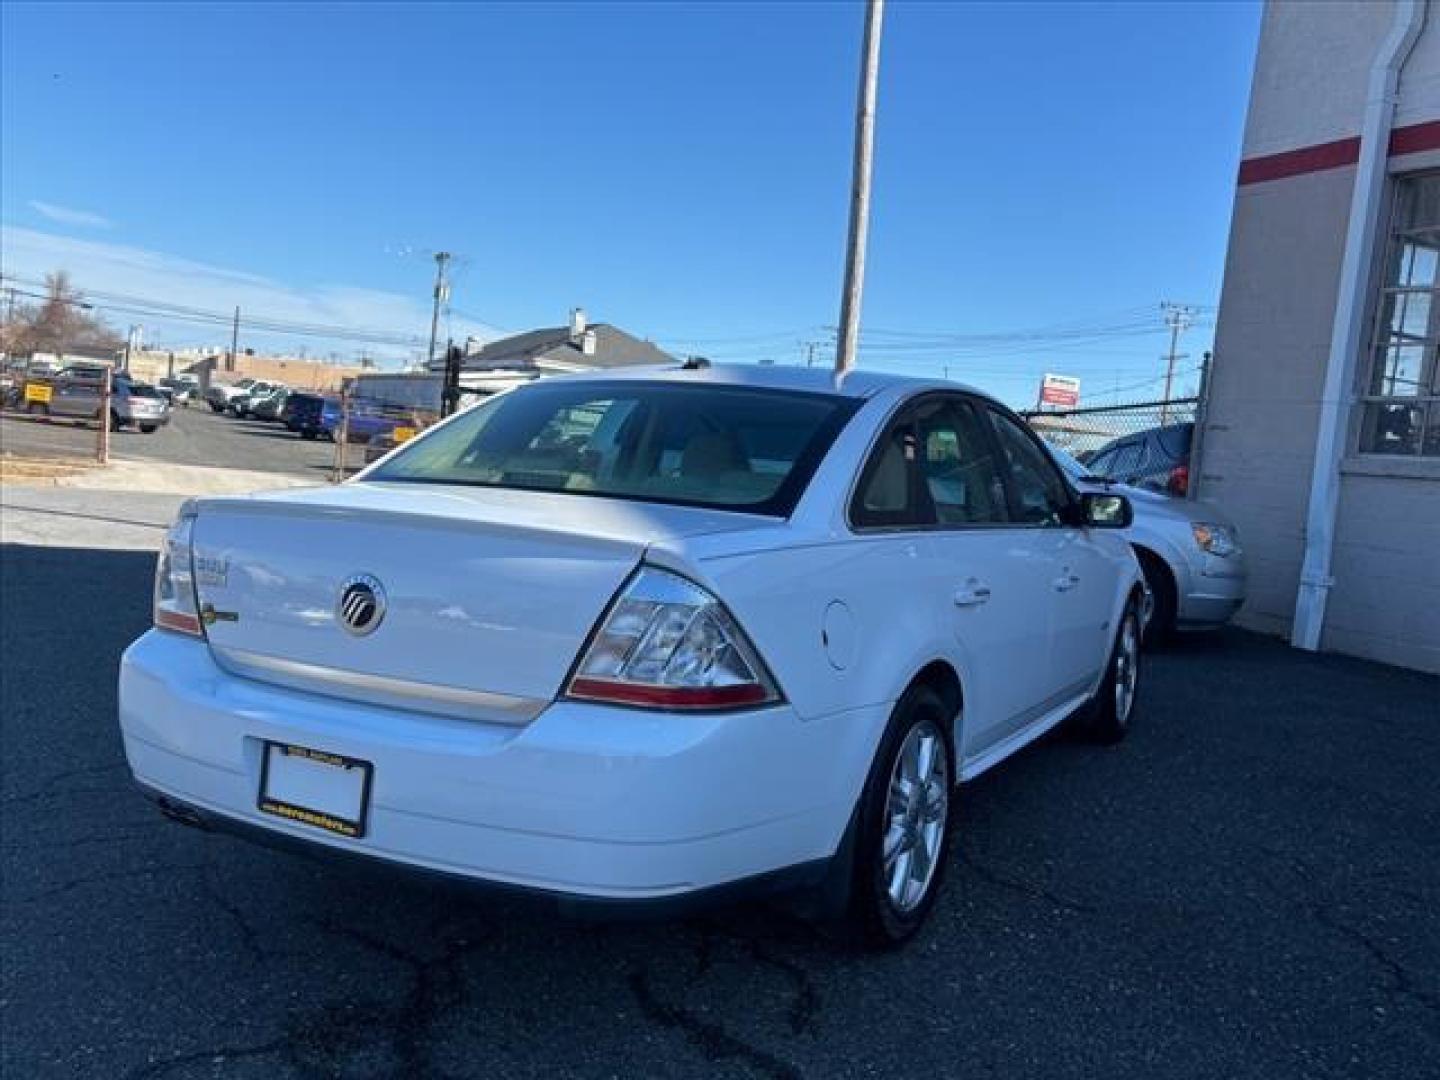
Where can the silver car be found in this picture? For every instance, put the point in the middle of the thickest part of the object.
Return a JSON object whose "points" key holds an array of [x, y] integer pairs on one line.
{"points": [[77, 396], [1189, 551]]}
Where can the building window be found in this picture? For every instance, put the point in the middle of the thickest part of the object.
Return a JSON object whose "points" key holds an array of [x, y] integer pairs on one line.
{"points": [[1402, 395]]}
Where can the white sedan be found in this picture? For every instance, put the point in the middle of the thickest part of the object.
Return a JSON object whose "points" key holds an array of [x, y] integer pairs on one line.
{"points": [[643, 638]]}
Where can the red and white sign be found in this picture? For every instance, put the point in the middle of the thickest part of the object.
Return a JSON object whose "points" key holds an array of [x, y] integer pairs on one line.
{"points": [[1060, 390]]}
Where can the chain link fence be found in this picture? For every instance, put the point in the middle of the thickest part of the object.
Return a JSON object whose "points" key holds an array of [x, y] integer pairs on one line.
{"points": [[1148, 444], [1084, 432]]}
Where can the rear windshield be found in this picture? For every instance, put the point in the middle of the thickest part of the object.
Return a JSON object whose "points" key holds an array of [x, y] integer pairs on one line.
{"points": [[137, 390], [737, 448]]}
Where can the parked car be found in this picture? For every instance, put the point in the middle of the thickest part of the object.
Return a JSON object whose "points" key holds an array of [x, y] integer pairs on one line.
{"points": [[181, 387], [220, 395], [268, 407], [366, 421], [243, 403], [76, 394], [635, 638], [311, 415], [1157, 459], [1188, 550]]}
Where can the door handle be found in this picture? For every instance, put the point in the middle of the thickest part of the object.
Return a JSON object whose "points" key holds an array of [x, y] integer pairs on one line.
{"points": [[971, 594], [1066, 581]]}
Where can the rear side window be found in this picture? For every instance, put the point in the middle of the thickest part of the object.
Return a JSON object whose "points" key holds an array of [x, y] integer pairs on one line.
{"points": [[935, 465], [740, 448], [888, 492]]}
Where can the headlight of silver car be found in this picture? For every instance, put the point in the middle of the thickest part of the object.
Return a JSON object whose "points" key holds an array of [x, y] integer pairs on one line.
{"points": [[1216, 539]]}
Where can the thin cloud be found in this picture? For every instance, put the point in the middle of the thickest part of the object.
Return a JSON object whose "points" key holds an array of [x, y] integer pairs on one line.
{"points": [[129, 271], [65, 215]]}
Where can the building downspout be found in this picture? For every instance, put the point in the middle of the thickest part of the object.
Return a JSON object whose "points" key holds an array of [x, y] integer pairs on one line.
{"points": [[1346, 335]]}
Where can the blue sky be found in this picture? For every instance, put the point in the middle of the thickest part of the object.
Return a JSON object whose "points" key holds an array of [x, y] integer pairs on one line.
{"points": [[680, 170]]}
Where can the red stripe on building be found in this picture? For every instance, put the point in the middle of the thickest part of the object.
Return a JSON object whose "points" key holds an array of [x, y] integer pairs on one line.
{"points": [[1332, 155], [1415, 138], [1307, 159]]}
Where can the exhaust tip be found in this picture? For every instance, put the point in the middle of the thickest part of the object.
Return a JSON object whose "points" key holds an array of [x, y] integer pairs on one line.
{"points": [[185, 815]]}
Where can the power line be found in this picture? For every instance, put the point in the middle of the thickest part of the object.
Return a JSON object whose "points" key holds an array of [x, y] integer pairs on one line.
{"points": [[127, 304]]}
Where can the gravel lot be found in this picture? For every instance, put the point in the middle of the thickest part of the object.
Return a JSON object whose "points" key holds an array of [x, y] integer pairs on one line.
{"points": [[1249, 887], [194, 436]]}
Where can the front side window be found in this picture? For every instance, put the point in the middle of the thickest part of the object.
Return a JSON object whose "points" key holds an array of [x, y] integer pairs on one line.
{"points": [[962, 478], [737, 448], [1038, 492], [1401, 398]]}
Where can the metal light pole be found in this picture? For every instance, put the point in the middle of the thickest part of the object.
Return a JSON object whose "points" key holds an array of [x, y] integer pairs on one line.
{"points": [[1177, 317], [234, 340], [442, 295], [849, 337], [102, 446]]}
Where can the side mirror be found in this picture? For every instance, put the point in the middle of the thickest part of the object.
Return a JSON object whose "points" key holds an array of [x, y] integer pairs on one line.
{"points": [[1105, 510]]}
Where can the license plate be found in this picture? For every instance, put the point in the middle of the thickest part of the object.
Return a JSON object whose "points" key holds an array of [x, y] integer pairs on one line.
{"points": [[315, 787]]}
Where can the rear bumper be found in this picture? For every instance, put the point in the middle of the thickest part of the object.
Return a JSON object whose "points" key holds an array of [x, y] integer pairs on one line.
{"points": [[585, 802]]}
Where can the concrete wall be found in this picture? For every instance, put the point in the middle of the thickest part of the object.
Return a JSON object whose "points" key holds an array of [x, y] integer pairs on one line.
{"points": [[1272, 343], [1386, 601], [1311, 71], [1276, 309], [301, 374]]}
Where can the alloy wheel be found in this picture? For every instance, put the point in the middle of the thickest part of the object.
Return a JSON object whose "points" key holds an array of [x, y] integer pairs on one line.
{"points": [[915, 817], [1127, 669]]}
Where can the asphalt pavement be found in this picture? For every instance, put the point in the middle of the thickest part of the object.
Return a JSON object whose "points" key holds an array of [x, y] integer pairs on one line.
{"points": [[1248, 887], [194, 436]]}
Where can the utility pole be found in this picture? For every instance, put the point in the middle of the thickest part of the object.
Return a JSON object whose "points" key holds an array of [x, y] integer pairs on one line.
{"points": [[849, 338], [234, 340], [1178, 317], [442, 296]]}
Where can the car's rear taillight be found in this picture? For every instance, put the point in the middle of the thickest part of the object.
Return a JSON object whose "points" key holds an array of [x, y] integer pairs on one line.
{"points": [[176, 606], [666, 643], [1179, 480]]}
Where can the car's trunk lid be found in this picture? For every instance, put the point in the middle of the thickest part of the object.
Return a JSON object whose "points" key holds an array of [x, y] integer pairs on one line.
{"points": [[489, 594]]}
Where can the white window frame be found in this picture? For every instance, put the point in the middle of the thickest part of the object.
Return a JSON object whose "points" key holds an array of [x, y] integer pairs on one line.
{"points": [[1427, 460]]}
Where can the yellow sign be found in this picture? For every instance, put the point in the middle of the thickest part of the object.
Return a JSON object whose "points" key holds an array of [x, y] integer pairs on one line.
{"points": [[38, 392], [403, 434]]}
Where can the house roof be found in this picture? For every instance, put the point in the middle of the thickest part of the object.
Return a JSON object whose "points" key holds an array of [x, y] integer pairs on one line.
{"points": [[553, 350]]}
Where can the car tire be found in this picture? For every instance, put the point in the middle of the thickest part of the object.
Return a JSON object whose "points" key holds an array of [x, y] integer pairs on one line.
{"points": [[1161, 583], [1111, 712], [147, 429], [116, 424], [308, 434], [215, 407], [901, 824]]}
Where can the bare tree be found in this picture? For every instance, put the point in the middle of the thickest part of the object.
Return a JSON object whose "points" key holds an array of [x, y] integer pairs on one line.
{"points": [[62, 320]]}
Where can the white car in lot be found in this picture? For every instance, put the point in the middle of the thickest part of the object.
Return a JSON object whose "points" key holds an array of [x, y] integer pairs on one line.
{"points": [[643, 638]]}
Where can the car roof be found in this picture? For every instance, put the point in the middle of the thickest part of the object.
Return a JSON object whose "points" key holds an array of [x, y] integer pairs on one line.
{"points": [[856, 383]]}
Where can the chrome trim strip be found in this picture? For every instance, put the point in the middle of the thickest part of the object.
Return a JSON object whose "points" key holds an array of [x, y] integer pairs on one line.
{"points": [[455, 701]]}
